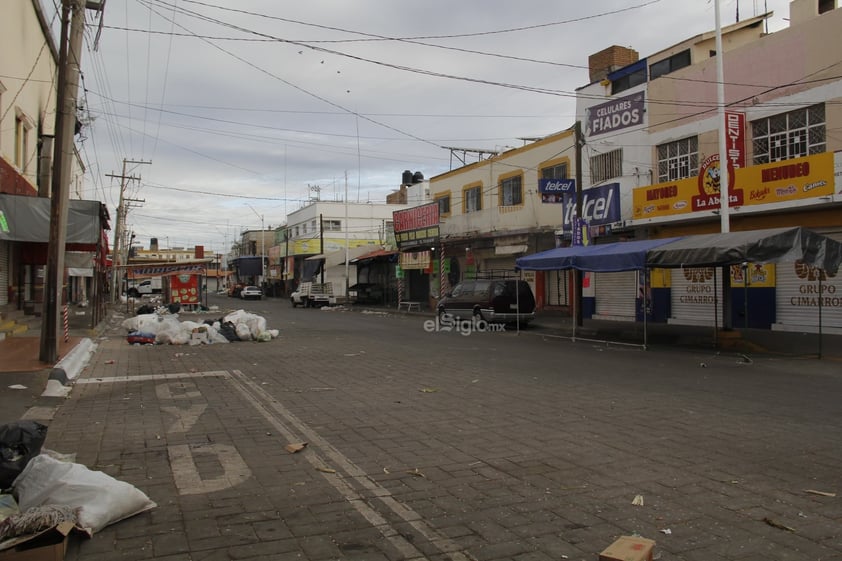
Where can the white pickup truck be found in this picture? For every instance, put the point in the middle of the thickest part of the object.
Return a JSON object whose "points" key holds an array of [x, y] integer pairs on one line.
{"points": [[313, 295], [148, 286]]}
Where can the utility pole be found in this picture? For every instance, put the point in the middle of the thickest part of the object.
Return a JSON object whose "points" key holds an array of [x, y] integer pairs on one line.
{"points": [[122, 212], [70, 56], [322, 244]]}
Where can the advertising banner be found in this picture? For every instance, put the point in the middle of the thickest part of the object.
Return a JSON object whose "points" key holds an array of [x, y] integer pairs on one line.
{"points": [[417, 226], [614, 115], [778, 182], [600, 206], [553, 190], [185, 289]]}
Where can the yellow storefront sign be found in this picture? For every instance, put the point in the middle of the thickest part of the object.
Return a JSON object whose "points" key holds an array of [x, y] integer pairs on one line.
{"points": [[789, 180]]}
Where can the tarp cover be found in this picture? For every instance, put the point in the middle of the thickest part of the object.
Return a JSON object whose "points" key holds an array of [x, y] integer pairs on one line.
{"points": [[28, 220], [603, 258], [755, 246]]}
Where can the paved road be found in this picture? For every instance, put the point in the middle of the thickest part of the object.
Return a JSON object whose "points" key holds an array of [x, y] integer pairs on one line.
{"points": [[444, 446]]}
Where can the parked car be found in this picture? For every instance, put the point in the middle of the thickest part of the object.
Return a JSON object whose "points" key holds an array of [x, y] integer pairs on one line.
{"points": [[492, 300], [249, 292]]}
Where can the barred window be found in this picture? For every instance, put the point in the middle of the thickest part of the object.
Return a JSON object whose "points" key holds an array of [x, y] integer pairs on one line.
{"points": [[333, 225], [606, 166], [789, 135], [511, 191], [678, 159]]}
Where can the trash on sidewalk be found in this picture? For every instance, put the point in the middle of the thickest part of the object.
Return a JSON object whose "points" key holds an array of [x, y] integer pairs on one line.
{"points": [[99, 499], [47, 545], [295, 447], [629, 548], [19, 442], [638, 500], [164, 328], [819, 493], [778, 525], [17, 387]]}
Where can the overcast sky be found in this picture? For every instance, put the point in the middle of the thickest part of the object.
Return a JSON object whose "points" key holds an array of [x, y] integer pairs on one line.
{"points": [[243, 106]]}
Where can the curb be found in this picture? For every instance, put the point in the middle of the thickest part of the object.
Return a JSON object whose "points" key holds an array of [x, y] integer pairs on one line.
{"points": [[68, 369]]}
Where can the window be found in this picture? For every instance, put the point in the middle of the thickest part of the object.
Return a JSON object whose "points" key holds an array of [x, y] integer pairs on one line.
{"points": [[314, 225], [678, 159], [671, 64], [444, 204], [472, 198], [22, 127], [558, 171], [296, 231], [511, 191], [789, 135], [333, 225], [629, 81], [606, 166]]}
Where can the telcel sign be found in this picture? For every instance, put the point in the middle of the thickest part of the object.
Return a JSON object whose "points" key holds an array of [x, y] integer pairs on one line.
{"points": [[600, 206]]}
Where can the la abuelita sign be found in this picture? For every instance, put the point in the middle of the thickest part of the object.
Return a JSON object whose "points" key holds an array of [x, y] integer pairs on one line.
{"points": [[417, 226], [778, 182], [614, 115]]}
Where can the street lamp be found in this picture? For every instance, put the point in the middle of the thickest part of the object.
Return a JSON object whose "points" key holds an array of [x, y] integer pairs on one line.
{"points": [[262, 244]]}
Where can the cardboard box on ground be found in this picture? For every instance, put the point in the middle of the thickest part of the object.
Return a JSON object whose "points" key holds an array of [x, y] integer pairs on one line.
{"points": [[49, 545], [629, 548]]}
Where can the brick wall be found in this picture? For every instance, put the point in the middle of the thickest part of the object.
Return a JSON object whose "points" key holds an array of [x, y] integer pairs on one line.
{"points": [[610, 59]]}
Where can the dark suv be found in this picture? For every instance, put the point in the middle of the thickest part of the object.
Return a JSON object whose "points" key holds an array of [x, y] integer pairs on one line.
{"points": [[493, 300]]}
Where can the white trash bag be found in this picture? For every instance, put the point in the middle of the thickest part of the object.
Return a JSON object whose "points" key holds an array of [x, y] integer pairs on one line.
{"points": [[101, 499]]}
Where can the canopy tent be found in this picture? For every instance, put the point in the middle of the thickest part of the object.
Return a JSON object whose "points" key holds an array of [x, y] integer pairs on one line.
{"points": [[605, 258], [708, 250], [774, 245], [27, 219]]}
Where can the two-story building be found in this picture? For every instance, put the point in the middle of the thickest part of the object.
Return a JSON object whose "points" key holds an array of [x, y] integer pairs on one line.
{"points": [[652, 127], [28, 101], [508, 205]]}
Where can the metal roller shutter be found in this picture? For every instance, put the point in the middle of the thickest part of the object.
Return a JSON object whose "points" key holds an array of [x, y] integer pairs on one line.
{"points": [[797, 299], [693, 296], [4, 273], [615, 295], [556, 288]]}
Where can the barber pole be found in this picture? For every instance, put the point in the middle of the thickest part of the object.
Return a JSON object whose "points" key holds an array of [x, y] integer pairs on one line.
{"points": [[400, 291], [66, 325], [443, 287]]}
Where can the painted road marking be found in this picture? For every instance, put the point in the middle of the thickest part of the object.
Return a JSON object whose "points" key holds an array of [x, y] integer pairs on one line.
{"points": [[189, 481]]}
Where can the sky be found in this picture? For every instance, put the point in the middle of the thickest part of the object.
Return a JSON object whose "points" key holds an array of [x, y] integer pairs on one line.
{"points": [[238, 113]]}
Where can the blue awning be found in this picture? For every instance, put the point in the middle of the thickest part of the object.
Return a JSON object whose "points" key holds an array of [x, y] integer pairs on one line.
{"points": [[603, 258]]}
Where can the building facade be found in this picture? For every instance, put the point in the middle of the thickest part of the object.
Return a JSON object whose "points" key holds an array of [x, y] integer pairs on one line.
{"points": [[651, 126], [495, 210]]}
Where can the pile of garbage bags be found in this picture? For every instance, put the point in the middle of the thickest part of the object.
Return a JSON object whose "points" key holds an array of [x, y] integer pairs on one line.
{"points": [[40, 489], [164, 328]]}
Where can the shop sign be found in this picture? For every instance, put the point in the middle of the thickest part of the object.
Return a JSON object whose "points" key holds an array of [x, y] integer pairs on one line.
{"points": [[709, 186], [600, 206], [614, 115], [553, 190], [417, 226], [778, 182]]}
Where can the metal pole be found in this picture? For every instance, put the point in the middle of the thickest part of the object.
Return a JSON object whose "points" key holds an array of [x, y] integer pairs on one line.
{"points": [[725, 225]]}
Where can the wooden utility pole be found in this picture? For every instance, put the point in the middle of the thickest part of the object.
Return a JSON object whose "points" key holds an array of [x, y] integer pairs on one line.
{"points": [[117, 251], [70, 54]]}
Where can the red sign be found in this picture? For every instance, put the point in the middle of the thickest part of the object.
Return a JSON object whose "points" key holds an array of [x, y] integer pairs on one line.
{"points": [[708, 197], [185, 289], [423, 216], [735, 139]]}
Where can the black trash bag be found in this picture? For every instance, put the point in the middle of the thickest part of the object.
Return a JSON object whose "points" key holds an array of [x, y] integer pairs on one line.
{"points": [[229, 331], [146, 309], [174, 308], [19, 442]]}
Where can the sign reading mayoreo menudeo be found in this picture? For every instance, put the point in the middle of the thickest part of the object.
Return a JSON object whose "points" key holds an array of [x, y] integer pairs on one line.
{"points": [[614, 115], [788, 180], [416, 226]]}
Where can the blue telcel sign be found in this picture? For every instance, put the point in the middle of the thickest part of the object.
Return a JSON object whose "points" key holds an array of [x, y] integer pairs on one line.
{"points": [[554, 190], [600, 206]]}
